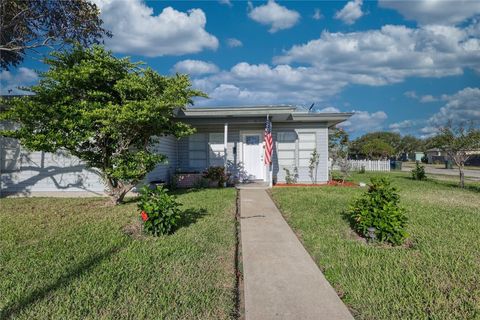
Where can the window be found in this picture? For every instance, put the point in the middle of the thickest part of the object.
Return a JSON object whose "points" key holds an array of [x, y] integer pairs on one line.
{"points": [[216, 149], [286, 148], [197, 150], [306, 145], [252, 139]]}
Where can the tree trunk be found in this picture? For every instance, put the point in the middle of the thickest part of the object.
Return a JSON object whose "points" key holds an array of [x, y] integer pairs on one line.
{"points": [[118, 194], [117, 190], [462, 177]]}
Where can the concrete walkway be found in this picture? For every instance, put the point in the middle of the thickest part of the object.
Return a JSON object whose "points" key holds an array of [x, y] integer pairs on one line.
{"points": [[281, 281]]}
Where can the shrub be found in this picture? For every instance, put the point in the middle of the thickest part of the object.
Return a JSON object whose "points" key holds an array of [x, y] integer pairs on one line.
{"points": [[362, 169], [216, 174], [159, 211], [313, 165], [379, 207], [418, 173], [345, 167], [289, 177], [201, 183], [336, 176]]}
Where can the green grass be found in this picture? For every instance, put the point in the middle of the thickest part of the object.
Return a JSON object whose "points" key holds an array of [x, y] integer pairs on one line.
{"points": [[437, 278], [71, 259]]}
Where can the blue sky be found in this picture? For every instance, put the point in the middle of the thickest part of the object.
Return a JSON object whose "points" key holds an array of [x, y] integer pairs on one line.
{"points": [[403, 66]]}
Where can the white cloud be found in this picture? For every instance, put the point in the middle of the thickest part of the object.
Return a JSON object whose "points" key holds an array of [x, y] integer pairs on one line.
{"points": [[428, 98], [398, 126], [391, 54], [351, 12], [275, 16], [317, 14], [226, 2], [423, 99], [364, 121], [435, 11], [329, 110], [361, 121], [248, 83], [233, 43], [195, 67], [136, 30], [10, 82], [462, 106], [410, 94]]}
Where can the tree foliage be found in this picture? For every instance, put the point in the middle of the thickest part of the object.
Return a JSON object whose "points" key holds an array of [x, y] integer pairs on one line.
{"points": [[104, 110], [409, 144], [459, 142], [377, 149], [32, 24], [385, 144], [364, 146]]}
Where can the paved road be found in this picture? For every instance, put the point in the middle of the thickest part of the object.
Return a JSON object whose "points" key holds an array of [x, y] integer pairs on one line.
{"points": [[470, 174], [281, 281]]}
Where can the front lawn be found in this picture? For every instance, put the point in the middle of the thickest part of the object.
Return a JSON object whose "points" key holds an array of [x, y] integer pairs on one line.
{"points": [[438, 277], [73, 259]]}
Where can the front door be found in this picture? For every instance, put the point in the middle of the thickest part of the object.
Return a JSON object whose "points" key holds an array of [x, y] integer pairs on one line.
{"points": [[253, 156]]}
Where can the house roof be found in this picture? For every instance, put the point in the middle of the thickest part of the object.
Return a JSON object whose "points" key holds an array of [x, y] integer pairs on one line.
{"points": [[277, 113]]}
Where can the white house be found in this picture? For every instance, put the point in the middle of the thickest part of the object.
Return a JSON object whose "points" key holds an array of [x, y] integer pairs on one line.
{"points": [[225, 136]]}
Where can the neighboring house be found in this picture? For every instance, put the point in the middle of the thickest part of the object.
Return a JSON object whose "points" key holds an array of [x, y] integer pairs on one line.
{"points": [[418, 155], [435, 155], [225, 136]]}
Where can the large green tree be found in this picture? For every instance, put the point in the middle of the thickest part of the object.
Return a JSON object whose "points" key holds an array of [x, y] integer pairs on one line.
{"points": [[29, 25], [459, 142], [393, 140], [377, 149], [107, 111], [409, 144]]}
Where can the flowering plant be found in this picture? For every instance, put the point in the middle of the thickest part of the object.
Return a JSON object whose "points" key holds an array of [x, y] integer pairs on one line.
{"points": [[160, 211]]}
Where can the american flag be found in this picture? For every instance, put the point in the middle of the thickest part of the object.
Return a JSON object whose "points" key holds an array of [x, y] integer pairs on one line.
{"points": [[268, 142]]}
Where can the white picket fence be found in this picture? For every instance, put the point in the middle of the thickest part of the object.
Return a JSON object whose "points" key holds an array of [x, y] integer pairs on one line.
{"points": [[369, 165]]}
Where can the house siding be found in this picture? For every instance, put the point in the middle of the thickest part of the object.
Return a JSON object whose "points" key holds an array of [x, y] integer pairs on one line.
{"points": [[166, 146], [234, 163], [24, 172], [321, 145]]}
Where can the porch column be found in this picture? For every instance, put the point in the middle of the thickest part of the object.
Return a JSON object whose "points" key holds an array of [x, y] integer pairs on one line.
{"points": [[225, 141]]}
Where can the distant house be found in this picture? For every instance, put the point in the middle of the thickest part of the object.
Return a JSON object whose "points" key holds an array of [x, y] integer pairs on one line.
{"points": [[435, 155], [225, 136], [418, 155]]}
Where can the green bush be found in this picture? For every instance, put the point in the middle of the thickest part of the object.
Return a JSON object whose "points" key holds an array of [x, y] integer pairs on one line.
{"points": [[216, 174], [160, 211], [362, 170], [418, 173], [289, 177], [379, 207]]}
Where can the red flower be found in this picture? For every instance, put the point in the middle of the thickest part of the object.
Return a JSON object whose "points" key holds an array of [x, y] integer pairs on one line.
{"points": [[144, 216]]}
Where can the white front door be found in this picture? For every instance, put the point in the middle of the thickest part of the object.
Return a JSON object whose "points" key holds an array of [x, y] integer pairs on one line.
{"points": [[253, 154]]}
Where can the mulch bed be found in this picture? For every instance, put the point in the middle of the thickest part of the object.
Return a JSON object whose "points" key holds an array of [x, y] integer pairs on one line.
{"points": [[330, 183]]}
